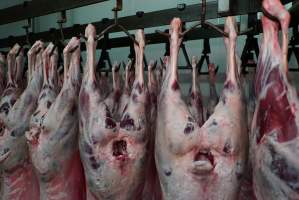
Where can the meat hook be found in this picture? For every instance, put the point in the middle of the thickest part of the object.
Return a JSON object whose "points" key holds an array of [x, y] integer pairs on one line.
{"points": [[116, 23], [61, 21]]}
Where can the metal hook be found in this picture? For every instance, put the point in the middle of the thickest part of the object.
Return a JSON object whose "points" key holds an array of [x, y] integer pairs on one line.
{"points": [[190, 29], [123, 64], [246, 32], [105, 54], [203, 22], [183, 47], [116, 23], [161, 61], [26, 27], [216, 28], [203, 11], [128, 34], [61, 21], [119, 5], [163, 33], [216, 70], [155, 64]]}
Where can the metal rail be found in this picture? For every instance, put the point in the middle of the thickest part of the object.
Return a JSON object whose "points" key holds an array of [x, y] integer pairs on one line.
{"points": [[188, 14], [30, 9]]}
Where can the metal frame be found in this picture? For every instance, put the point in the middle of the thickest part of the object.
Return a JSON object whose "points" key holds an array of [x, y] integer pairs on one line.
{"points": [[30, 9], [187, 14]]}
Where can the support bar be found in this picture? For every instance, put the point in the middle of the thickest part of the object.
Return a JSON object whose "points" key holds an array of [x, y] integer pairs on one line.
{"points": [[30, 9], [189, 14]]}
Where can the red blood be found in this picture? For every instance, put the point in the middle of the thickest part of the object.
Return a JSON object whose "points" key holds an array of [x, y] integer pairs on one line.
{"points": [[75, 179], [275, 114], [21, 177], [175, 86]]}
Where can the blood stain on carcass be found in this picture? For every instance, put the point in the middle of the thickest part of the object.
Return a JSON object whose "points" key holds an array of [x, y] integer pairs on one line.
{"points": [[175, 86], [269, 115], [193, 96]]}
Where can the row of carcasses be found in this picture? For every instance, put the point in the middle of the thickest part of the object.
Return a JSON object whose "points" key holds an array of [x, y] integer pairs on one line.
{"points": [[133, 141], [38, 117], [117, 126]]}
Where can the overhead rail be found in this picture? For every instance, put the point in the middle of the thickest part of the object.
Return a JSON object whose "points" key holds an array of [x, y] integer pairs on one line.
{"points": [[188, 13], [31, 9]]}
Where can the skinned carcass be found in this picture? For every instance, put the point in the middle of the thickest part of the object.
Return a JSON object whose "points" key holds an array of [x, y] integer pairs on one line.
{"points": [[201, 162], [113, 152], [19, 181], [274, 143], [54, 141]]}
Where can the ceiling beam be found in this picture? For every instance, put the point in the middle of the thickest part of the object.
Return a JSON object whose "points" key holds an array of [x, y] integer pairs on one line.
{"points": [[151, 19], [147, 20], [30, 9]]}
